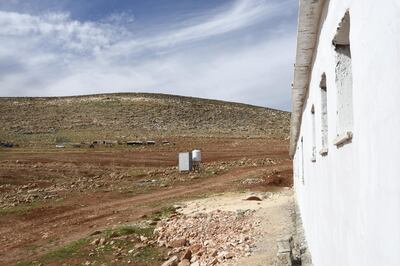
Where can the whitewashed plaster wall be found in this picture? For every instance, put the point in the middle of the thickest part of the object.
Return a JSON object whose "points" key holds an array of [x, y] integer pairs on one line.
{"points": [[350, 199]]}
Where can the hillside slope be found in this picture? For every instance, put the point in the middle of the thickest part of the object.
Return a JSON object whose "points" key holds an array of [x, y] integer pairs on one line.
{"points": [[129, 116]]}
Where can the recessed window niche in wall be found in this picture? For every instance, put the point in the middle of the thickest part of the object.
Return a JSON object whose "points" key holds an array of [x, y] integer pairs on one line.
{"points": [[324, 116], [314, 148], [344, 82], [302, 161]]}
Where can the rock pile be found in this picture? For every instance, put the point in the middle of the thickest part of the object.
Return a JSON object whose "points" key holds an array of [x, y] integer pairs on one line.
{"points": [[207, 238]]}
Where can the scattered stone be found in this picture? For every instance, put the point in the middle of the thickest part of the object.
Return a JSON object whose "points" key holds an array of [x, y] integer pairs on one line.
{"points": [[222, 254], [196, 263], [114, 234], [214, 261], [229, 255], [177, 243], [95, 233], [184, 262], [102, 241], [214, 253], [283, 259], [173, 261], [254, 198], [267, 195], [194, 259], [206, 243], [284, 245], [153, 222], [195, 248], [187, 255], [139, 245], [200, 252], [203, 237]]}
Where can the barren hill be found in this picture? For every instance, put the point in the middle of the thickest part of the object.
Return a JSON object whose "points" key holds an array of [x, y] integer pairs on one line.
{"points": [[128, 116]]}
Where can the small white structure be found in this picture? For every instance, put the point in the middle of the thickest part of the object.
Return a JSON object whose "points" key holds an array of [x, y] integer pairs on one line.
{"points": [[185, 161], [345, 130], [196, 153]]}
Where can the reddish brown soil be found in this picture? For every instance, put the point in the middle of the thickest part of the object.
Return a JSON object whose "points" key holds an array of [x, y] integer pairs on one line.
{"points": [[52, 223]]}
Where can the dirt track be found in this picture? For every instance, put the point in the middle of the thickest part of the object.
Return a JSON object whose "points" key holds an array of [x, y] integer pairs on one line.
{"points": [[53, 222]]}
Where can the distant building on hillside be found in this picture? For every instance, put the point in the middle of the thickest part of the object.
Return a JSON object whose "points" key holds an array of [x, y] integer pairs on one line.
{"points": [[345, 130]]}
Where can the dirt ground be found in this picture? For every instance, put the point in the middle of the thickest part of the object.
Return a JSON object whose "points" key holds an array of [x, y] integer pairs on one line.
{"points": [[50, 197]]}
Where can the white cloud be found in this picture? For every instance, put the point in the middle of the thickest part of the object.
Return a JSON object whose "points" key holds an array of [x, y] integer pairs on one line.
{"points": [[243, 13], [119, 18], [59, 31], [52, 54]]}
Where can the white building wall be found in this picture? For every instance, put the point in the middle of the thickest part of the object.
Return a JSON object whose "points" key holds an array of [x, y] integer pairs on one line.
{"points": [[350, 199]]}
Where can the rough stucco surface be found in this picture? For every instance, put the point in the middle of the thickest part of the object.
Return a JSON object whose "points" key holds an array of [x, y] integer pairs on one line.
{"points": [[343, 79], [350, 200]]}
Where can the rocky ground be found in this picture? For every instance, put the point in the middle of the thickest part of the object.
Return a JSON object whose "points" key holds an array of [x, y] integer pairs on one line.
{"points": [[108, 206], [72, 192], [203, 237], [126, 117], [225, 229], [112, 179], [233, 228]]}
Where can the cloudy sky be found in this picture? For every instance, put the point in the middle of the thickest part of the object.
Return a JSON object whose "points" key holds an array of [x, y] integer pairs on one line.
{"points": [[235, 50]]}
